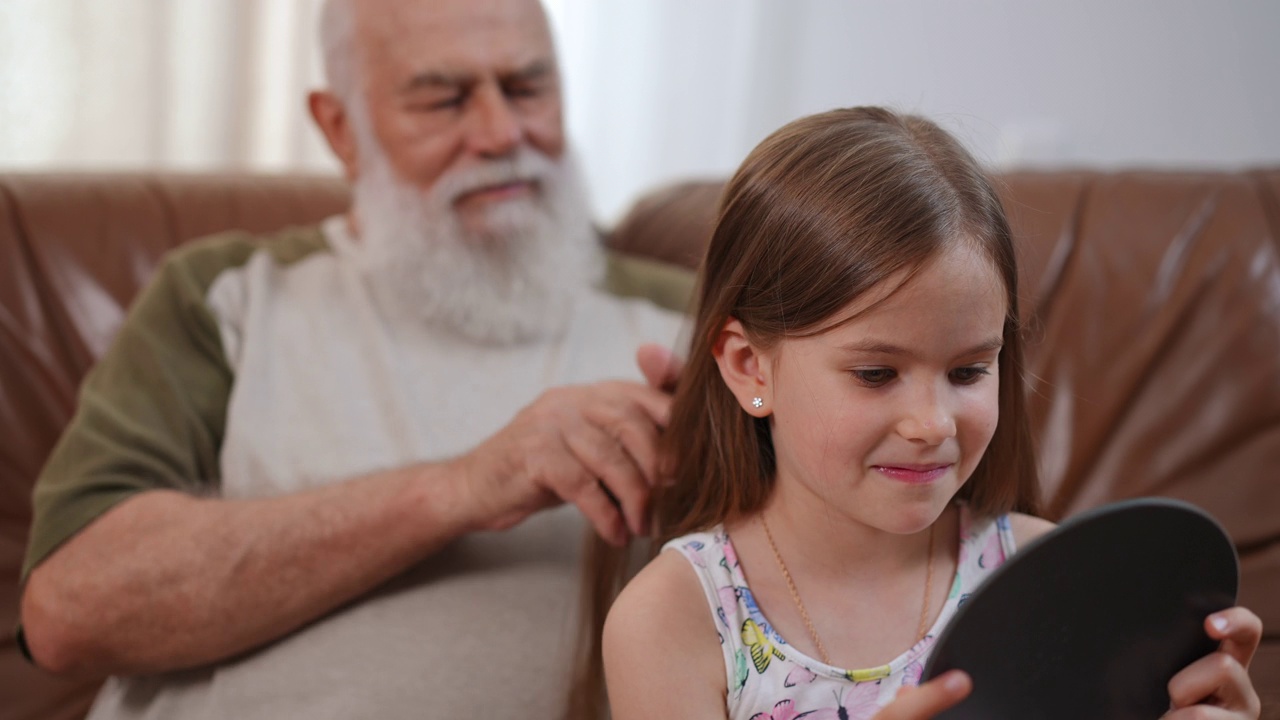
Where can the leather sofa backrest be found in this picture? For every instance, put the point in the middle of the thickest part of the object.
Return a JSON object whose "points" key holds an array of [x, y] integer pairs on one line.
{"points": [[1151, 302]]}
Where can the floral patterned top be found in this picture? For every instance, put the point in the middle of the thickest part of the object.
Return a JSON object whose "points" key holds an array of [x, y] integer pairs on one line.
{"points": [[768, 679]]}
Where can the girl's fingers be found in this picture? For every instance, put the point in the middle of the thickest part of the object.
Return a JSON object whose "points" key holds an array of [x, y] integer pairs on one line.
{"points": [[929, 699], [1216, 680], [1239, 630]]}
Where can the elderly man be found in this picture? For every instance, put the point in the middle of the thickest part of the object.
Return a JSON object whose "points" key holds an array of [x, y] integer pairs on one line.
{"points": [[282, 493], [344, 471]]}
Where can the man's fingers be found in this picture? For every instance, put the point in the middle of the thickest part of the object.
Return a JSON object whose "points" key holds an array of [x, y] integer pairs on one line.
{"points": [[655, 403], [929, 699], [603, 457], [635, 430], [1239, 630], [594, 446], [596, 506], [599, 509], [660, 366], [630, 414]]}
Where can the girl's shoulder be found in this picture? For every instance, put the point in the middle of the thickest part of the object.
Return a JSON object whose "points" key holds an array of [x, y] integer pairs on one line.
{"points": [[1019, 528], [669, 592], [659, 641], [660, 588], [1026, 528], [987, 536]]}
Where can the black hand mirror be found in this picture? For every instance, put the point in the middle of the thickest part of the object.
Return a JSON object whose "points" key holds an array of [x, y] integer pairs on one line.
{"points": [[1092, 619]]}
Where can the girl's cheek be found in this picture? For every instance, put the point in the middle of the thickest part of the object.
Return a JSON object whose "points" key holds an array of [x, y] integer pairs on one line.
{"points": [[983, 415]]}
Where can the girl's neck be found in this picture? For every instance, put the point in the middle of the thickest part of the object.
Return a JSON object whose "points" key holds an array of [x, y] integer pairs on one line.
{"points": [[823, 543], [868, 593]]}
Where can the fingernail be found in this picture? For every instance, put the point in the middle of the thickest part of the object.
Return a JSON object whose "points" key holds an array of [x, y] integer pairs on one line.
{"points": [[954, 682], [1219, 623]]}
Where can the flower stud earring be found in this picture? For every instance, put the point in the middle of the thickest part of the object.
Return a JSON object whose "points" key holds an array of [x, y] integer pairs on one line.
{"points": [[757, 403]]}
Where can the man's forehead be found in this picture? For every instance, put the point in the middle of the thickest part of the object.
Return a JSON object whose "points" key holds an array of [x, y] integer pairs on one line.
{"points": [[455, 37]]}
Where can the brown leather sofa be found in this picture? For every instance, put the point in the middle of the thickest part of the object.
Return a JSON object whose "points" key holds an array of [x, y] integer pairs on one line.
{"points": [[1152, 301]]}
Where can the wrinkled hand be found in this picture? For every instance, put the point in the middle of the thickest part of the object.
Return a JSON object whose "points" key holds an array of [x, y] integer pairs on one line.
{"points": [[929, 699], [595, 446], [1218, 685]]}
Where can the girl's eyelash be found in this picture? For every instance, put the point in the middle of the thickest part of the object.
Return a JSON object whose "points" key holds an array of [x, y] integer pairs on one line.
{"points": [[874, 377], [971, 374]]}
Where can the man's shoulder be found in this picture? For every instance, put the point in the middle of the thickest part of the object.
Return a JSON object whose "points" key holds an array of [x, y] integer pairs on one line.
{"points": [[665, 285], [204, 259]]}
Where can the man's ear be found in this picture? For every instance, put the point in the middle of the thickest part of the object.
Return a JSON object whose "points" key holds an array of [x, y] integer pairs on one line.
{"points": [[746, 370], [330, 115]]}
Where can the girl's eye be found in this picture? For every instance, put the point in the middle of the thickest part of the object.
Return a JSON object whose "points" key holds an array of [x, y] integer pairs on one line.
{"points": [[874, 377], [968, 375]]}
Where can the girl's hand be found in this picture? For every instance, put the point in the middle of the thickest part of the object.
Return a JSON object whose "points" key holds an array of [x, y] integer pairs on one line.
{"points": [[929, 699], [1218, 685]]}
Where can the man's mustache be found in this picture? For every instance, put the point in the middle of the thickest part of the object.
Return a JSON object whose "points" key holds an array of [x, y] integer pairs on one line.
{"points": [[526, 167]]}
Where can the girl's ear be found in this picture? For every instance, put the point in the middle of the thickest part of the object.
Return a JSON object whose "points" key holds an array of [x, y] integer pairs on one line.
{"points": [[746, 370]]}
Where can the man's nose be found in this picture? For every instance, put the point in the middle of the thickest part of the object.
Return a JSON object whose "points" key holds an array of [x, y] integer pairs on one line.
{"points": [[494, 129], [928, 419]]}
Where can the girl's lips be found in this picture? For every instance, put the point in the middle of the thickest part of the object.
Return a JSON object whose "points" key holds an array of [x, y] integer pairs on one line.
{"points": [[913, 474]]}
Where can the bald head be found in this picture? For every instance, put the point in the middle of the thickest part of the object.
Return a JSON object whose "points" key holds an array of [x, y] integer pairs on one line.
{"points": [[337, 45], [350, 27]]}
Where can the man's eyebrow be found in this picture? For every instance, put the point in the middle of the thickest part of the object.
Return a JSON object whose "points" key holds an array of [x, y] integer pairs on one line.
{"points": [[879, 347], [533, 71], [441, 79], [437, 79]]}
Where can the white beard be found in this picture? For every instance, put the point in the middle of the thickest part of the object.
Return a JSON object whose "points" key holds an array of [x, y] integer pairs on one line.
{"points": [[510, 280]]}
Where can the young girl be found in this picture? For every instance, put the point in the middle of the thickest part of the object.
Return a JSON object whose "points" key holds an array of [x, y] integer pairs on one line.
{"points": [[851, 455]]}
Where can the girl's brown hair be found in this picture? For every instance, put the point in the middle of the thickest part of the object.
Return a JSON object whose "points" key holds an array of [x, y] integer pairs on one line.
{"points": [[821, 211]]}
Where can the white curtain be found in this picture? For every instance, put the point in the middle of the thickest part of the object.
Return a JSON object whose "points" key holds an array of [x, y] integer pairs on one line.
{"points": [[665, 89], [171, 84]]}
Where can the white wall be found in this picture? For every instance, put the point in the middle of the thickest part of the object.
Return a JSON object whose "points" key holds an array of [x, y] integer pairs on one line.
{"points": [[685, 89], [666, 89]]}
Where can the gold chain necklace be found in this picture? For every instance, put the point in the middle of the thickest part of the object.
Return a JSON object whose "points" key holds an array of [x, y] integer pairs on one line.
{"points": [[921, 629]]}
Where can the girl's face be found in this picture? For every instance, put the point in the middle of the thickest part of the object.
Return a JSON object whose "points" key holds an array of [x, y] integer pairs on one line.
{"points": [[882, 418]]}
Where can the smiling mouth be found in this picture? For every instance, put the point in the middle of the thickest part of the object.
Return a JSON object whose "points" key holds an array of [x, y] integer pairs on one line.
{"points": [[502, 191], [913, 474]]}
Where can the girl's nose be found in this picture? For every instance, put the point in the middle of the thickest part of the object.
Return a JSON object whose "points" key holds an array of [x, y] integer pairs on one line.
{"points": [[929, 422]]}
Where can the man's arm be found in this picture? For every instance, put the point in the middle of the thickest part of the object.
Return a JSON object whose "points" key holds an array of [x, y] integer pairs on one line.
{"points": [[166, 580], [134, 566]]}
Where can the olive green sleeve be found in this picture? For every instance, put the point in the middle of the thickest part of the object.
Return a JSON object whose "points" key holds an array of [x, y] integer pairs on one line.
{"points": [[667, 286], [151, 412]]}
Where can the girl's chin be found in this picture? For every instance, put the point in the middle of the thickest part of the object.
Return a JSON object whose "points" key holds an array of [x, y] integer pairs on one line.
{"points": [[917, 517]]}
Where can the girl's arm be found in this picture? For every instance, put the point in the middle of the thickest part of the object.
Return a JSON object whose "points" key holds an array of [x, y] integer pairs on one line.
{"points": [[661, 652]]}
